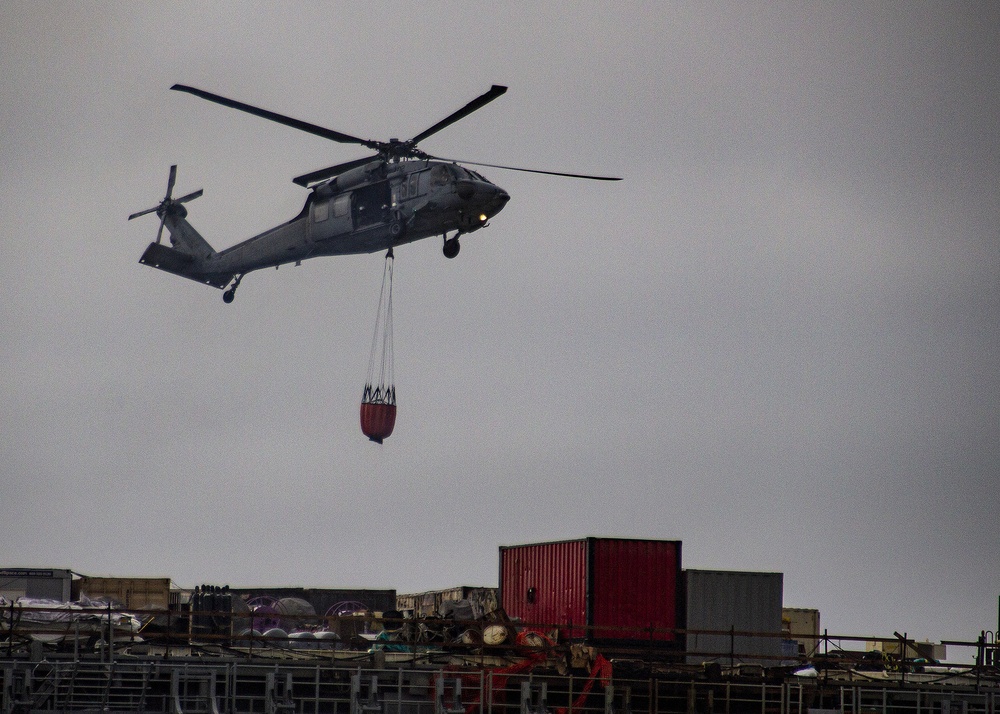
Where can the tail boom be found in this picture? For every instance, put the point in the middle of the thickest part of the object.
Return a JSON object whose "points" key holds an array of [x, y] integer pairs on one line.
{"points": [[183, 264]]}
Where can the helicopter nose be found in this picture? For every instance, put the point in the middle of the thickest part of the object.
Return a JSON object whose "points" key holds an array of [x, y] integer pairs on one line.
{"points": [[465, 189], [490, 201], [483, 192], [499, 199], [494, 195]]}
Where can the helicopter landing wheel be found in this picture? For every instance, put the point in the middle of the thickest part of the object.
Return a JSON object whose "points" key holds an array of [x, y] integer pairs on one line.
{"points": [[451, 247], [230, 295]]}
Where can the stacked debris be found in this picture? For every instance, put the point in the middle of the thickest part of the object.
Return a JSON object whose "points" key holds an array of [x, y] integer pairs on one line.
{"points": [[82, 624]]}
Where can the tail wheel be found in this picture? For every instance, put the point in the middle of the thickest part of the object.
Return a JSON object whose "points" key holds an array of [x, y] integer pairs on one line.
{"points": [[451, 247], [230, 295]]}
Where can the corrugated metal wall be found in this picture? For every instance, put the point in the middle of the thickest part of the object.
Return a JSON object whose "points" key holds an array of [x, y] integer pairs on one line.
{"points": [[634, 588], [742, 601], [546, 583]]}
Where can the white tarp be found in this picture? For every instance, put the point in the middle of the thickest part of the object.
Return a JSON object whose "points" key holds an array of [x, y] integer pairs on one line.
{"points": [[53, 620]]}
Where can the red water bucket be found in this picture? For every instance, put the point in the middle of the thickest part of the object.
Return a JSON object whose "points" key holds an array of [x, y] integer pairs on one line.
{"points": [[377, 420]]}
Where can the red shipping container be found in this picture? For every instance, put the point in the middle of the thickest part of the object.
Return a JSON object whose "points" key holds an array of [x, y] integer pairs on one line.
{"points": [[618, 589]]}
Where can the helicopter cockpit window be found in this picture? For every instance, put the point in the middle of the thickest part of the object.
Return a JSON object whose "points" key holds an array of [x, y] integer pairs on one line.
{"points": [[440, 175], [321, 211]]}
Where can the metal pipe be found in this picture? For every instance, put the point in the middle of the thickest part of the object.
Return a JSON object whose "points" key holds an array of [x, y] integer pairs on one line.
{"points": [[111, 636]]}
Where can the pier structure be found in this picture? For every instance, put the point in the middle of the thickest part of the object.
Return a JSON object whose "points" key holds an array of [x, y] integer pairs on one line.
{"points": [[170, 673], [221, 685]]}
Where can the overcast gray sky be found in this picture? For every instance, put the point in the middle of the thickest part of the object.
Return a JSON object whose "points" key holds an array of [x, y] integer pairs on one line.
{"points": [[776, 340]]}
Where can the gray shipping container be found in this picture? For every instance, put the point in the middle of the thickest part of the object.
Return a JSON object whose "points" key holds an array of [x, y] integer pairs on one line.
{"points": [[733, 601]]}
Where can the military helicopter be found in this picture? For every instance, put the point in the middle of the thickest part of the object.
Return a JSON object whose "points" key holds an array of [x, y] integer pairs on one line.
{"points": [[398, 195]]}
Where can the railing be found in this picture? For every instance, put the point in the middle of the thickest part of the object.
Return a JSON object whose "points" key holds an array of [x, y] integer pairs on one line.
{"points": [[234, 688]]}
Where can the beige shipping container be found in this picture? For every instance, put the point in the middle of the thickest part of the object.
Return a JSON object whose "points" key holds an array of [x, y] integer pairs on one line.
{"points": [[931, 651], [802, 625], [130, 593]]}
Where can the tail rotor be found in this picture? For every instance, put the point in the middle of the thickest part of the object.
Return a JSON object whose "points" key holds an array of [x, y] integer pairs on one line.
{"points": [[169, 205]]}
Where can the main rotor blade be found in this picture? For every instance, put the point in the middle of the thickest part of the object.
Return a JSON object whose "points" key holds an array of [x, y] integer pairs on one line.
{"points": [[280, 118], [533, 171], [321, 174], [478, 103]]}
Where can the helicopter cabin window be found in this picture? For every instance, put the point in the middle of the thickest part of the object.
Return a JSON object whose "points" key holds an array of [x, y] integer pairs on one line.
{"points": [[321, 211], [371, 203], [407, 188], [342, 205]]}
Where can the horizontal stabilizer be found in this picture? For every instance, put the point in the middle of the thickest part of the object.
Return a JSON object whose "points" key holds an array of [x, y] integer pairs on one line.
{"points": [[173, 261]]}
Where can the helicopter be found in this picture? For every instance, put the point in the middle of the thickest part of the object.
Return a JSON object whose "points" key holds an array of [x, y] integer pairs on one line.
{"points": [[397, 195]]}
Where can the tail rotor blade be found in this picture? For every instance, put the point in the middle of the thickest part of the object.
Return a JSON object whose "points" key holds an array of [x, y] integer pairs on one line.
{"points": [[171, 180], [168, 202], [189, 197], [143, 213]]}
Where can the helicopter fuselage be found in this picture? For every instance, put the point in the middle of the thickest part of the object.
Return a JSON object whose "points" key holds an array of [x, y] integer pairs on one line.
{"points": [[370, 208]]}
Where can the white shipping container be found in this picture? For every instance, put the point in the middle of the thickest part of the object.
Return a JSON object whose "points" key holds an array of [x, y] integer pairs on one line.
{"points": [[36, 583], [801, 624]]}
